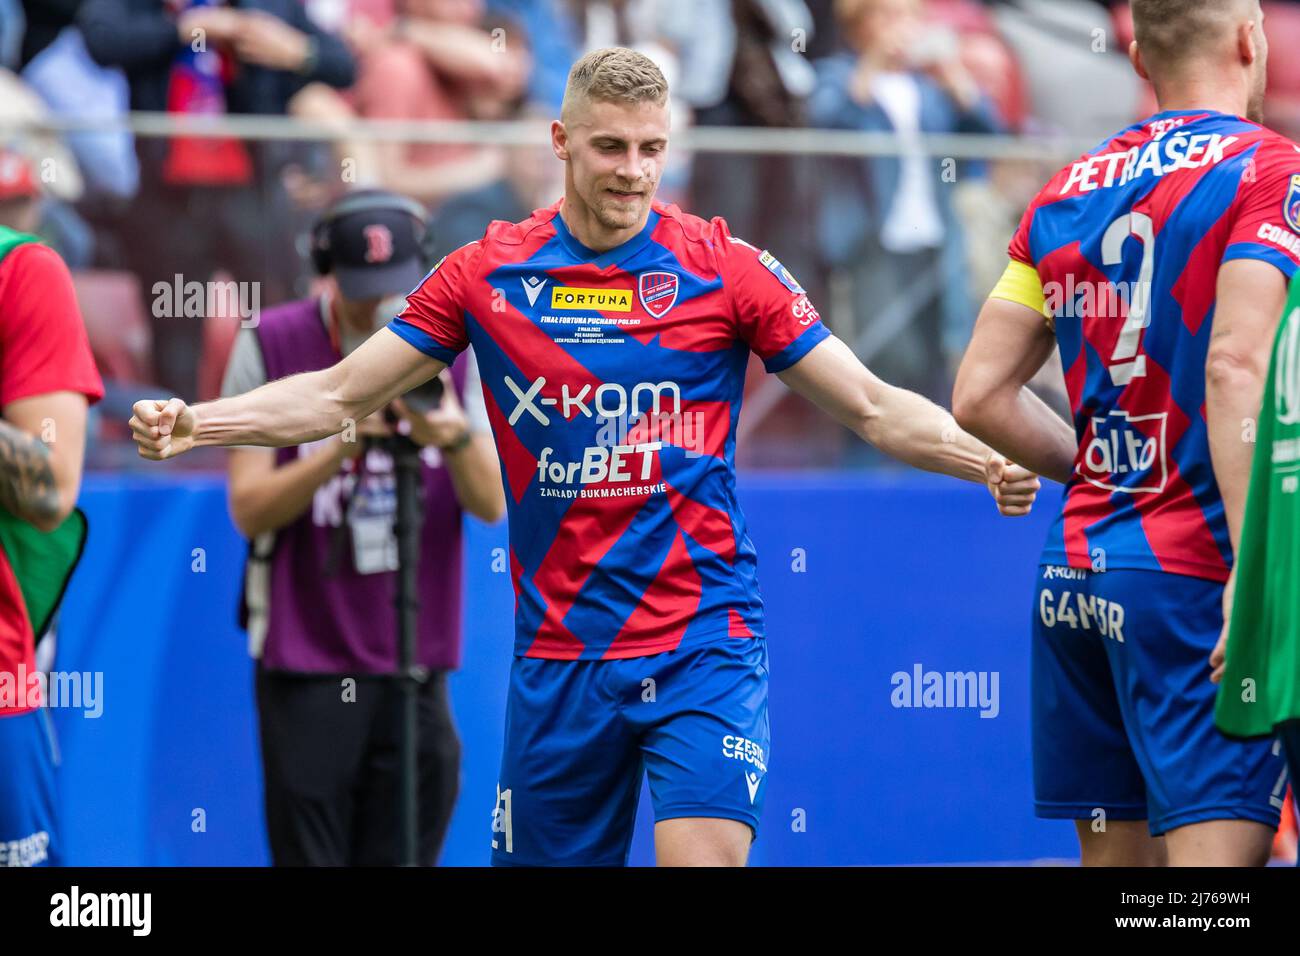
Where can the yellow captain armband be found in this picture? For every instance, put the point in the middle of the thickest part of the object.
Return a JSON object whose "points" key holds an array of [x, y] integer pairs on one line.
{"points": [[1020, 283]]}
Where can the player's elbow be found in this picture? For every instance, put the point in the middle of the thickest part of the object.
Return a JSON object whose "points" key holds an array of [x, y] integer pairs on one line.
{"points": [[973, 398], [1229, 369]]}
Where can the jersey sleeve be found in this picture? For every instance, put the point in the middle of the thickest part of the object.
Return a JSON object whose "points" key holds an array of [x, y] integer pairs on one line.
{"points": [[1018, 248], [434, 318], [773, 313], [43, 342], [1266, 217]]}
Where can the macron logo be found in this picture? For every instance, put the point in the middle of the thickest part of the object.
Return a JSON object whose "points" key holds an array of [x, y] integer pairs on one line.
{"points": [[533, 288], [751, 781]]}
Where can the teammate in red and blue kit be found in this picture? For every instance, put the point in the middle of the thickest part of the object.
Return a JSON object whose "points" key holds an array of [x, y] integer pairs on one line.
{"points": [[1157, 263], [612, 335]]}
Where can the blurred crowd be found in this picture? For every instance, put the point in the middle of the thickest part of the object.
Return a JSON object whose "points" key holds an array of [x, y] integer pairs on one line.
{"points": [[897, 249]]}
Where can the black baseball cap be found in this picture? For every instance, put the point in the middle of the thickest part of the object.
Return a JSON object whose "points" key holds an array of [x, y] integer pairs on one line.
{"points": [[376, 252]]}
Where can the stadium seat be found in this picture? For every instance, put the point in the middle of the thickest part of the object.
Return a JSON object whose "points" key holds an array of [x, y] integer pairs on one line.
{"points": [[118, 328]]}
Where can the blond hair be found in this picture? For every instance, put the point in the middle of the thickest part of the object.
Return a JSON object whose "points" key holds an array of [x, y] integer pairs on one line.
{"points": [[614, 75]]}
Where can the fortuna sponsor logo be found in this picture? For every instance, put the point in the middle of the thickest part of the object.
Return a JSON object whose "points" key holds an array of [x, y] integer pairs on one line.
{"points": [[603, 300], [1285, 238], [133, 910], [610, 400], [1158, 158]]}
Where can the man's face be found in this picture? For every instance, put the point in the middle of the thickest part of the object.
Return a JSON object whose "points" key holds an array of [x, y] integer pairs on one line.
{"points": [[356, 315], [887, 29], [615, 155]]}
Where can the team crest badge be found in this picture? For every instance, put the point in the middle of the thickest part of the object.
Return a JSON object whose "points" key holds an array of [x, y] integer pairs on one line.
{"points": [[657, 292], [1291, 209]]}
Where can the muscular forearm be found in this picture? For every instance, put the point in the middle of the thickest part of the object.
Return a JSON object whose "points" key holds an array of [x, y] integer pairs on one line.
{"points": [[28, 488], [279, 497], [1232, 399], [917, 431], [477, 479], [465, 54], [290, 411], [1023, 428]]}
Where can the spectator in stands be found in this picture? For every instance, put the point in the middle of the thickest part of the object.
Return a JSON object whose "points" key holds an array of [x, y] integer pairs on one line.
{"points": [[320, 614], [435, 61], [740, 66], [209, 203], [887, 221]]}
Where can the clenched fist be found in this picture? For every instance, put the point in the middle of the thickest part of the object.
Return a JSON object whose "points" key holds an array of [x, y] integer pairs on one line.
{"points": [[162, 429], [1013, 488]]}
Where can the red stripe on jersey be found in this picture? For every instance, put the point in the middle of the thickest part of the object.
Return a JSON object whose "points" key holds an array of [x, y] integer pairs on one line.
{"points": [[528, 346], [736, 626], [1085, 504], [667, 605], [708, 527], [1174, 524], [516, 570], [589, 528], [520, 464], [1192, 292]]}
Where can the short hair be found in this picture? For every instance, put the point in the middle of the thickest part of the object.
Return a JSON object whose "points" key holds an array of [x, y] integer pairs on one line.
{"points": [[614, 75], [1172, 32]]}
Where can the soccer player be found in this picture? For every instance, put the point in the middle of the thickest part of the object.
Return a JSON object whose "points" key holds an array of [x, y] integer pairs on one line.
{"points": [[612, 334], [47, 380], [1157, 263]]}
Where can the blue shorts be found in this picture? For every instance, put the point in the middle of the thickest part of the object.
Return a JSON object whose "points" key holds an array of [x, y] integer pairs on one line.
{"points": [[27, 809], [579, 734], [1123, 708]]}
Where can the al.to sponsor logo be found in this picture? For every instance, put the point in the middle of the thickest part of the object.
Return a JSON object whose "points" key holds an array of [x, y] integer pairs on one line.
{"points": [[1123, 452], [947, 689], [72, 690], [131, 910], [197, 300]]}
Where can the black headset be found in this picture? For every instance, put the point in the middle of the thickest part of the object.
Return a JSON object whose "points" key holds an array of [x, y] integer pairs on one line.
{"points": [[367, 201]]}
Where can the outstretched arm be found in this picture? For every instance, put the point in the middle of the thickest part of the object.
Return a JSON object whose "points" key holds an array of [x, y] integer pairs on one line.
{"points": [[903, 424], [898, 422], [992, 401], [290, 411]]}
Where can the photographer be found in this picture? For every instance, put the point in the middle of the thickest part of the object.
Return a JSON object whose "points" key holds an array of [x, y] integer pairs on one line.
{"points": [[320, 585]]}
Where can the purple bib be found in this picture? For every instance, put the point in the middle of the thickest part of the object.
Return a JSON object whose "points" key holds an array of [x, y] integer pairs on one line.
{"points": [[321, 615]]}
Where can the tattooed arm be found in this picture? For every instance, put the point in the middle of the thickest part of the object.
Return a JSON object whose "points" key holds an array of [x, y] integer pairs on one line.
{"points": [[42, 440]]}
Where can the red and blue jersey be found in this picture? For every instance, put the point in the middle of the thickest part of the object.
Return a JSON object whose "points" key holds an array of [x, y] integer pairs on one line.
{"points": [[1127, 242], [613, 381]]}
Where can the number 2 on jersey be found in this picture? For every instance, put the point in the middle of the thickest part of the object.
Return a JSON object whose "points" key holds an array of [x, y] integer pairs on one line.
{"points": [[1125, 363]]}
